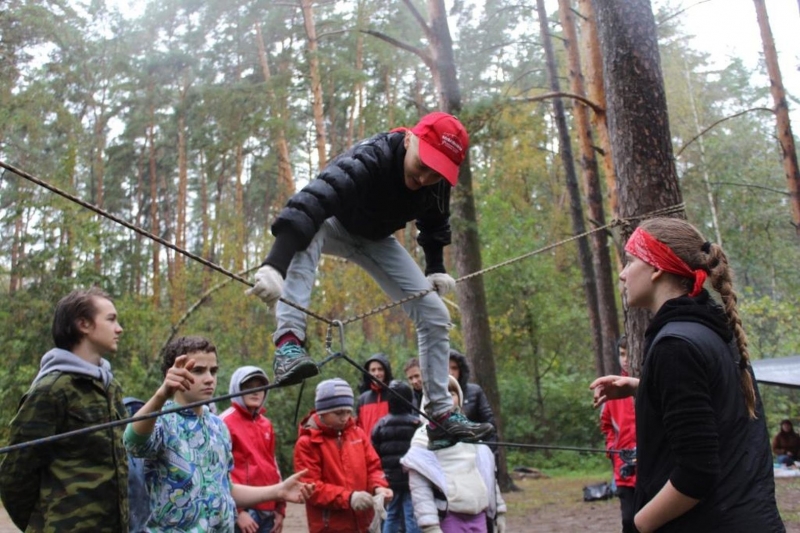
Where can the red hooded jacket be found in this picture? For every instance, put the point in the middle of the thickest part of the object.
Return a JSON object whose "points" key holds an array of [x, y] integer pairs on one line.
{"points": [[253, 442], [338, 463], [618, 424]]}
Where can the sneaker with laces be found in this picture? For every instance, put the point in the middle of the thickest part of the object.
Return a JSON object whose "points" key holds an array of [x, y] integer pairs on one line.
{"points": [[292, 364], [456, 428]]}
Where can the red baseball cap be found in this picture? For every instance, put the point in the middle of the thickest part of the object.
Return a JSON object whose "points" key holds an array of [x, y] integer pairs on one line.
{"points": [[443, 143]]}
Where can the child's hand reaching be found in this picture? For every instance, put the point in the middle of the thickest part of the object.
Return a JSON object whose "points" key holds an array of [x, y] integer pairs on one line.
{"points": [[296, 491]]}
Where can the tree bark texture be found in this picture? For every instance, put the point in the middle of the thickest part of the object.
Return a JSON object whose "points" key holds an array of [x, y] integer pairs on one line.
{"points": [[638, 125]]}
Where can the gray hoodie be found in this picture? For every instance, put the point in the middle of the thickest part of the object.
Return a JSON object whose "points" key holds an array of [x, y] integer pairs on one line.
{"points": [[241, 375], [59, 360]]}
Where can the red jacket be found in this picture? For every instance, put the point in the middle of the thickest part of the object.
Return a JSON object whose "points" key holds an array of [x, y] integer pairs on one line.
{"points": [[253, 442], [618, 423], [338, 463], [372, 406]]}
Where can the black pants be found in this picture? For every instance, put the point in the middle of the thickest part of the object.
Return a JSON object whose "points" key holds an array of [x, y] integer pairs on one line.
{"points": [[626, 506]]}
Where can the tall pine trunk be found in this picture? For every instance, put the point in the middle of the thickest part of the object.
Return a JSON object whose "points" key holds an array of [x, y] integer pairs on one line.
{"points": [[316, 80], [601, 258], [638, 125], [575, 207], [784, 125]]}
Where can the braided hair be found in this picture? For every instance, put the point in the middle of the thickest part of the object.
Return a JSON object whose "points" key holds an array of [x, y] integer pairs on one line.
{"points": [[688, 244]]}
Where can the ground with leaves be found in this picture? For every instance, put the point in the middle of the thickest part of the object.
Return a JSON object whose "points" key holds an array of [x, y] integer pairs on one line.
{"points": [[556, 505]]}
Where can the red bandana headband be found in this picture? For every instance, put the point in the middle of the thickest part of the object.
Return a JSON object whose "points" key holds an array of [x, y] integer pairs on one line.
{"points": [[656, 253]]}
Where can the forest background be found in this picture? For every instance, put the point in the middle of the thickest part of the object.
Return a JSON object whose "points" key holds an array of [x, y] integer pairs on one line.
{"points": [[195, 121]]}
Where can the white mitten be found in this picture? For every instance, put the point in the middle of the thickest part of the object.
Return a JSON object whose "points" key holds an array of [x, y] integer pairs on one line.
{"points": [[501, 523], [443, 283], [360, 500], [268, 285]]}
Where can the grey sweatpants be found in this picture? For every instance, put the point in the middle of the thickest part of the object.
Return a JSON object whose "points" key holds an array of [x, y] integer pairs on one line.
{"points": [[393, 268]]}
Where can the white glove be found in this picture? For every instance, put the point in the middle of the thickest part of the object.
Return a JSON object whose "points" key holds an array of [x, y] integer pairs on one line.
{"points": [[268, 286], [360, 500], [501, 523], [378, 504], [434, 528], [443, 283]]}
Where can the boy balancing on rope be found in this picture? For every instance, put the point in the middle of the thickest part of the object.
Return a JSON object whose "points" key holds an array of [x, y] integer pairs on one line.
{"points": [[188, 454], [351, 210]]}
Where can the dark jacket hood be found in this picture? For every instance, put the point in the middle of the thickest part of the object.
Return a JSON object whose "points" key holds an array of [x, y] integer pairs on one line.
{"points": [[400, 398], [364, 386], [701, 309], [463, 368]]}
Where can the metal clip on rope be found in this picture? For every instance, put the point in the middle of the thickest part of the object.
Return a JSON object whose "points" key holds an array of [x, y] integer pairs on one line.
{"points": [[329, 342]]}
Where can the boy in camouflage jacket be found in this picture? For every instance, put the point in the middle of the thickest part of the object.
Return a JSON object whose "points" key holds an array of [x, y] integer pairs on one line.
{"points": [[79, 484]]}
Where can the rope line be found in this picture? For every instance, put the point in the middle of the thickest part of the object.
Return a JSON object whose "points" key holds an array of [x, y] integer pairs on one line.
{"points": [[329, 321]]}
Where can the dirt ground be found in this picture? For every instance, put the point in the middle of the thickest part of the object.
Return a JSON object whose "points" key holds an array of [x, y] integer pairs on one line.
{"points": [[555, 505]]}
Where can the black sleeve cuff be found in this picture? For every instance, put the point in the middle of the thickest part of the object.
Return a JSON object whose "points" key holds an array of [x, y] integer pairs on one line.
{"points": [[281, 254], [434, 260]]}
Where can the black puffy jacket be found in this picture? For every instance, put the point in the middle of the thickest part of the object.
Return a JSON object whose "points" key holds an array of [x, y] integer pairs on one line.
{"points": [[391, 436], [364, 188]]}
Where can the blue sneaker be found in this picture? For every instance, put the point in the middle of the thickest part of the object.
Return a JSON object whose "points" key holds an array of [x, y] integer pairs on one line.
{"points": [[292, 365]]}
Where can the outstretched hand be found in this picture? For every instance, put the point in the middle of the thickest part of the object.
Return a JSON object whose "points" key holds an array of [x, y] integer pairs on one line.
{"points": [[296, 491], [612, 388], [178, 377]]}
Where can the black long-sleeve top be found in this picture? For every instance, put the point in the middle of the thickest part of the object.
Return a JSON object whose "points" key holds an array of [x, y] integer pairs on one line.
{"points": [[693, 427]]}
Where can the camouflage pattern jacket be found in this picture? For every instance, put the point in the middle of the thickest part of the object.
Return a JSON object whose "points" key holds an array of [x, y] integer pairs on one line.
{"points": [[79, 484]]}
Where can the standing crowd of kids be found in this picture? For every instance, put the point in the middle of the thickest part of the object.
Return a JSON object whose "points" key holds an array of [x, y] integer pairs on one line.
{"points": [[703, 461]]}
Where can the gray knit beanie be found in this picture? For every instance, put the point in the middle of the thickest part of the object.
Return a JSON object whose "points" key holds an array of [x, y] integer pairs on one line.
{"points": [[333, 394]]}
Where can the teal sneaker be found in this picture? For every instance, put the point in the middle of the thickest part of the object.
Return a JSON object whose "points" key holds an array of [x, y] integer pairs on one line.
{"points": [[456, 428], [292, 365]]}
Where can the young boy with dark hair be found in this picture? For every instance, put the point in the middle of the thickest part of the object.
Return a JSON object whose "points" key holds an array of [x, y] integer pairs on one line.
{"points": [[352, 210], [340, 461], [253, 440], [188, 456], [79, 484]]}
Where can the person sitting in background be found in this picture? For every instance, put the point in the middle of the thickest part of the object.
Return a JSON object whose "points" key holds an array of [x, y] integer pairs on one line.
{"points": [[339, 459], [391, 438], [372, 403], [786, 444]]}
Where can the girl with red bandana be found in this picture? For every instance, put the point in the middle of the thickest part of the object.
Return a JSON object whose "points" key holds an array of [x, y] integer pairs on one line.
{"points": [[703, 453]]}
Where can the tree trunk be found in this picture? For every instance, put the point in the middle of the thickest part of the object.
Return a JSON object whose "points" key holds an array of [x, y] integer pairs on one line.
{"points": [[277, 132], [784, 125], [638, 125], [316, 81], [154, 204], [98, 171], [576, 210], [471, 294], [712, 206], [601, 259]]}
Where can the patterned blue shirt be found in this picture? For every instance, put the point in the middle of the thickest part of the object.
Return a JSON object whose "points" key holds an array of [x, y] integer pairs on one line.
{"points": [[188, 460]]}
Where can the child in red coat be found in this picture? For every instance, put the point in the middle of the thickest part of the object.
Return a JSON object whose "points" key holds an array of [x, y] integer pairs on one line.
{"points": [[253, 441], [341, 462]]}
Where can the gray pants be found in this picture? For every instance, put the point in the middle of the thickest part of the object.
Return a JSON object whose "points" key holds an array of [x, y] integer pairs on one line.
{"points": [[393, 268]]}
